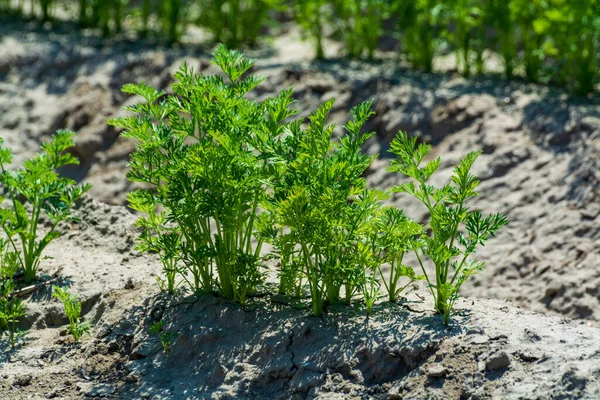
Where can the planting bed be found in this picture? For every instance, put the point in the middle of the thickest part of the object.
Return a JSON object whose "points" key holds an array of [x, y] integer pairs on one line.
{"points": [[540, 166], [269, 350]]}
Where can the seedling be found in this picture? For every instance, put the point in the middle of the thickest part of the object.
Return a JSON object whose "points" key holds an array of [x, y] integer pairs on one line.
{"points": [[46, 6], [48, 195], [167, 338], [72, 305], [467, 16], [455, 231], [11, 308], [145, 12], [173, 19]]}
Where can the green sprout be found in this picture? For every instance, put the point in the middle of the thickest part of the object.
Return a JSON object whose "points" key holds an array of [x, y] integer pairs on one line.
{"points": [[72, 305]]}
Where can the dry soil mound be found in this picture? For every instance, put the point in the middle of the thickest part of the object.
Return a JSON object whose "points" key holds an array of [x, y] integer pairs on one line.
{"points": [[541, 161], [271, 350]]}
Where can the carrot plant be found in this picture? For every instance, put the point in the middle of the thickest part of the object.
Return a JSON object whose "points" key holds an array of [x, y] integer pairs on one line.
{"points": [[418, 22], [48, 195], [236, 22], [467, 16], [455, 230], [225, 174], [198, 150], [145, 13], [167, 338], [530, 19], [83, 13], [11, 311], [72, 305], [321, 205], [100, 16], [505, 34], [392, 236], [11, 308], [312, 16], [574, 43], [360, 25], [173, 19], [47, 9]]}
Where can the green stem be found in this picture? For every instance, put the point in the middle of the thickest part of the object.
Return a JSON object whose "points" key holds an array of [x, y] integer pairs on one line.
{"points": [[426, 276]]}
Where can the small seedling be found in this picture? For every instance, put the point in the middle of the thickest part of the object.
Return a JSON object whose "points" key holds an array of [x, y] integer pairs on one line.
{"points": [[167, 338], [391, 237], [419, 25], [48, 195], [11, 311], [11, 308], [451, 222], [72, 305]]}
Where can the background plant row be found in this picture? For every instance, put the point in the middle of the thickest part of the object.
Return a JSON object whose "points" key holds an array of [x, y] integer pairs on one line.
{"points": [[554, 41]]}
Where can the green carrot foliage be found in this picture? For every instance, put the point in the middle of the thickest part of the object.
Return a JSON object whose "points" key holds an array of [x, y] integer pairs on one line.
{"points": [[321, 206], [236, 22], [455, 230], [167, 338], [49, 195], [419, 24], [11, 307], [313, 16], [226, 174], [72, 305], [198, 150], [359, 25]]}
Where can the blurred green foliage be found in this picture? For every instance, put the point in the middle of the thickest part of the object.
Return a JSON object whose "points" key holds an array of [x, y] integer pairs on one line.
{"points": [[555, 41]]}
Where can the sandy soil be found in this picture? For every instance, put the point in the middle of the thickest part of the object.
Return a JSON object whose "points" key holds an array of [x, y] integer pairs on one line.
{"points": [[269, 350], [540, 166]]}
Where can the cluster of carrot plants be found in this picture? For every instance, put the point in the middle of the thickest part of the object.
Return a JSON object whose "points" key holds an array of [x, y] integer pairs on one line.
{"points": [[224, 175], [543, 40], [30, 197], [234, 22], [554, 41]]}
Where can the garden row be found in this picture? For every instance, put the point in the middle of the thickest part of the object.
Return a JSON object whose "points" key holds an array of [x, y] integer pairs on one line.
{"points": [[224, 175], [554, 41]]}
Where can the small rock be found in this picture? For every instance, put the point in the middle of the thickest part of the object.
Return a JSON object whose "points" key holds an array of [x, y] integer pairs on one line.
{"points": [[21, 380], [437, 371], [497, 361], [479, 339], [218, 375], [52, 394], [131, 378], [144, 350], [96, 390], [395, 393]]}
